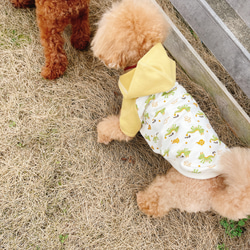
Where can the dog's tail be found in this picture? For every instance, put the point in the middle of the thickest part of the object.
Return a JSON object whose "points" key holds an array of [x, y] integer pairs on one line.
{"points": [[232, 199]]}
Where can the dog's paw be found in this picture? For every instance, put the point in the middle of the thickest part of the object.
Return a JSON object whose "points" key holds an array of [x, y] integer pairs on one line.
{"points": [[109, 129], [105, 131], [103, 139], [80, 38], [79, 43], [54, 70], [148, 203]]}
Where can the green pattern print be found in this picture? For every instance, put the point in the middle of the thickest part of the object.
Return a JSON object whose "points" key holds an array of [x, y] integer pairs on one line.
{"points": [[162, 111], [150, 98], [181, 108], [155, 138], [200, 114], [182, 152], [215, 139], [172, 129], [195, 129], [196, 171], [146, 116], [147, 137], [166, 152], [204, 159], [167, 94], [187, 94]]}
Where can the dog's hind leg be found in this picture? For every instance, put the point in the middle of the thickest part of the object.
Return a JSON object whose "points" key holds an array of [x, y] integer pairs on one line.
{"points": [[232, 199], [80, 30], [232, 204], [23, 3], [154, 201], [174, 190]]}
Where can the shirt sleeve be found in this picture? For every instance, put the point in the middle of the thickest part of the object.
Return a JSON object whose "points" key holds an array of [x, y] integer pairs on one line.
{"points": [[130, 122]]}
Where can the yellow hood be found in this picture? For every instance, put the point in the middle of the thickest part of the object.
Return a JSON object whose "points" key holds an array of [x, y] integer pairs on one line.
{"points": [[155, 73]]}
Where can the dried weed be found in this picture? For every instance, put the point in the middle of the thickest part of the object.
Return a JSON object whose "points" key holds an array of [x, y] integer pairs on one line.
{"points": [[59, 189]]}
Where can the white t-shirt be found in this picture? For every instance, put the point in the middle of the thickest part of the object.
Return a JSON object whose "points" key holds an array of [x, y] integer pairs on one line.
{"points": [[175, 127]]}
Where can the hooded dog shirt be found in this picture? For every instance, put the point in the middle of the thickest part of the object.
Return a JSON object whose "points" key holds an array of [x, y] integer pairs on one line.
{"points": [[168, 117]]}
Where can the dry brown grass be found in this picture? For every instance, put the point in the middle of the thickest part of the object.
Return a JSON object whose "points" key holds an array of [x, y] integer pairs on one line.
{"points": [[57, 180]]}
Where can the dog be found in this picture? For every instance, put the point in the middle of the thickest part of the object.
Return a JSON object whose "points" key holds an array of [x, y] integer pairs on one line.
{"points": [[52, 18], [206, 174]]}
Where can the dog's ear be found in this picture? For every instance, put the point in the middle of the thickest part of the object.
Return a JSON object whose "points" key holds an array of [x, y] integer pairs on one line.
{"points": [[127, 31], [110, 57], [102, 45], [114, 54], [121, 59], [116, 61]]}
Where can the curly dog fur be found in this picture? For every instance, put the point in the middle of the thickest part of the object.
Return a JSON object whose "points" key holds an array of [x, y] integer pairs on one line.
{"points": [[52, 18], [125, 33]]}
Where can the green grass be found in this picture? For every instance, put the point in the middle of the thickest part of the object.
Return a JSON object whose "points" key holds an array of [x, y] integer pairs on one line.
{"points": [[193, 33], [62, 238], [233, 228], [222, 247], [13, 37]]}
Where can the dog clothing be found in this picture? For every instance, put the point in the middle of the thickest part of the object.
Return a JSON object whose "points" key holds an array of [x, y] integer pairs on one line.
{"points": [[168, 117]]}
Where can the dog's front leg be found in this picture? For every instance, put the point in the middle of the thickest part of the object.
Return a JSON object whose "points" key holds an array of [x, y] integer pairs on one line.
{"points": [[51, 27], [109, 129]]}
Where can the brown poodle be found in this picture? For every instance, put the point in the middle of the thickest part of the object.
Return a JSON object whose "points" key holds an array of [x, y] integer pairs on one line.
{"points": [[129, 37], [52, 17]]}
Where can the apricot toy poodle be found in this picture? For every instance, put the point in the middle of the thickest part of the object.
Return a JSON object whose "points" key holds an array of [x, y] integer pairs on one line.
{"points": [[206, 175], [52, 17]]}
